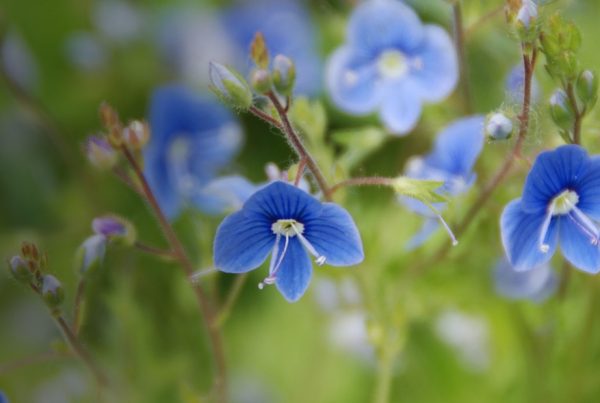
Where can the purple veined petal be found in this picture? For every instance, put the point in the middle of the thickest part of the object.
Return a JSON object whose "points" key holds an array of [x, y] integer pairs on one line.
{"points": [[521, 237], [334, 235], [280, 200], [401, 106], [295, 271], [588, 190], [458, 146], [576, 246], [552, 173], [225, 194], [352, 81], [242, 243], [536, 284], [435, 65], [378, 25]]}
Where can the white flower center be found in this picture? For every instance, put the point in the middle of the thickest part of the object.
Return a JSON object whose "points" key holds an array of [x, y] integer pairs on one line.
{"points": [[392, 64], [287, 227], [564, 203]]}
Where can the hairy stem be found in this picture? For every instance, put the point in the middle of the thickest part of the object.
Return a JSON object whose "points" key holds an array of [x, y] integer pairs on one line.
{"points": [[77, 305], [153, 250], [363, 181], [297, 145], [186, 264]]}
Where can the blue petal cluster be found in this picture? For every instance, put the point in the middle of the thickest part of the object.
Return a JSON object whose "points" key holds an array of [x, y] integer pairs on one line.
{"points": [[451, 161], [536, 284], [392, 63], [560, 205], [193, 138], [291, 225]]}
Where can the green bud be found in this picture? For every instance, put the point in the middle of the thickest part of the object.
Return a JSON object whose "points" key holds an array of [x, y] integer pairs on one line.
{"points": [[100, 153], [91, 253], [19, 268], [587, 88], [52, 291], [284, 74], [259, 52], [561, 110], [229, 86], [260, 80]]}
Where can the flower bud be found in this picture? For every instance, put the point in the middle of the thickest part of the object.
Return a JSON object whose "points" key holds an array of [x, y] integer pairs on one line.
{"points": [[284, 74], [561, 110], [91, 253], [114, 228], [136, 135], [19, 268], [108, 116], [100, 153], [587, 88], [52, 291], [260, 80], [498, 126], [527, 14], [230, 86], [29, 250]]}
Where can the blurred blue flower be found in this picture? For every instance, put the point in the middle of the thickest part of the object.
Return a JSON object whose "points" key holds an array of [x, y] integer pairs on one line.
{"points": [[515, 82], [536, 284], [291, 225], [287, 29], [451, 161], [3, 398], [560, 202], [17, 60], [393, 63], [193, 138]]}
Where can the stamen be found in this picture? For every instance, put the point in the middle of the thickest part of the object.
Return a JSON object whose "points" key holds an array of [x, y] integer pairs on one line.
{"points": [[320, 259], [274, 268], [584, 223], [544, 247], [448, 230]]}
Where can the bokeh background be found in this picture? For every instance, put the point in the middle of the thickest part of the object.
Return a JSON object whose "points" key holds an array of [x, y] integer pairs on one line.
{"points": [[457, 339]]}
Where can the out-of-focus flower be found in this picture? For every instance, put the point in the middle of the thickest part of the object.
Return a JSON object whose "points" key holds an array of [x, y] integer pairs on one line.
{"points": [[290, 224], [392, 63], [560, 202], [288, 31], [3, 398], [515, 82], [193, 138], [451, 161], [498, 126], [91, 253], [536, 284], [85, 51], [100, 153], [17, 60], [468, 335], [229, 86], [117, 20]]}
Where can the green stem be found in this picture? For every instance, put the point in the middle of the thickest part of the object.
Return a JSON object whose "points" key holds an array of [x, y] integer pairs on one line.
{"points": [[385, 374], [232, 297]]}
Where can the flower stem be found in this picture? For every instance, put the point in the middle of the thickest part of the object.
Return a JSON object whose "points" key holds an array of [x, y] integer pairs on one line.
{"points": [[181, 256], [232, 296], [77, 305], [297, 145], [384, 376], [153, 250], [363, 181], [578, 114], [459, 40], [8, 367]]}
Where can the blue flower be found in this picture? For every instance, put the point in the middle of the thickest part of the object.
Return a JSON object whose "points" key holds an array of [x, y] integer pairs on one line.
{"points": [[391, 62], [193, 138], [536, 284], [560, 204], [451, 161], [291, 225], [515, 82], [287, 29], [3, 398]]}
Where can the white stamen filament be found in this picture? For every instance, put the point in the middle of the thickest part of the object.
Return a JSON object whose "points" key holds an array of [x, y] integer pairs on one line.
{"points": [[274, 268], [320, 259], [584, 223], [544, 247], [448, 230]]}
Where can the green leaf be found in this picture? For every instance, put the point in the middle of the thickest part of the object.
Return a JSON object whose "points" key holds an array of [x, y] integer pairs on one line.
{"points": [[358, 144], [423, 190], [310, 118]]}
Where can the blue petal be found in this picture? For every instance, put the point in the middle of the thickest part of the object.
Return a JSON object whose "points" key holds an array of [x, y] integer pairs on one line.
{"points": [[225, 194], [437, 74], [295, 271], [351, 79], [520, 237], [335, 236], [378, 25], [458, 146], [430, 225], [551, 174], [577, 248], [401, 106], [280, 200], [588, 189], [242, 243], [515, 82], [536, 284]]}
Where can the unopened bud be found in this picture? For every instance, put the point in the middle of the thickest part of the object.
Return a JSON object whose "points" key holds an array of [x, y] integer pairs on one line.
{"points": [[91, 253], [29, 250], [109, 116], [52, 291], [260, 79], [136, 134], [587, 88], [228, 85], [527, 14], [498, 126], [115, 228], [100, 153], [19, 268], [561, 110], [284, 74]]}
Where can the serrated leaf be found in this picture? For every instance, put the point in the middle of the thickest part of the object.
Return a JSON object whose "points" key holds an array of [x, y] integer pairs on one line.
{"points": [[423, 190]]}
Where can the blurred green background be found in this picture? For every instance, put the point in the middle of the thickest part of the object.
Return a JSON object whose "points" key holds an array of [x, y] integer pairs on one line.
{"points": [[141, 321]]}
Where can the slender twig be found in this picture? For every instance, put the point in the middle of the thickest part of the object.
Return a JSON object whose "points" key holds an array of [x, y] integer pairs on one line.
{"points": [[153, 250], [459, 40], [77, 305], [266, 117], [188, 268], [297, 145], [126, 179], [482, 20], [10, 366], [366, 181], [300, 172], [232, 296]]}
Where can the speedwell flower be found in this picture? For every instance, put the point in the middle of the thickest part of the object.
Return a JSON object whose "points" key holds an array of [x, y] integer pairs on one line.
{"points": [[392, 63], [536, 284], [193, 138], [560, 204], [291, 225]]}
